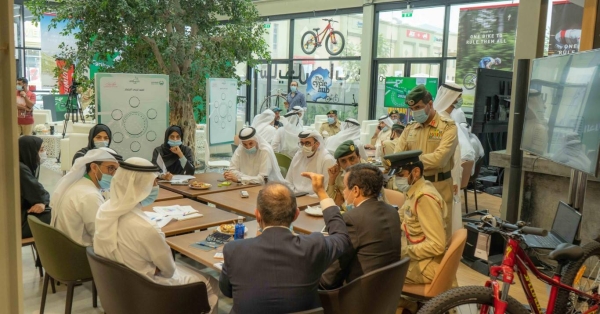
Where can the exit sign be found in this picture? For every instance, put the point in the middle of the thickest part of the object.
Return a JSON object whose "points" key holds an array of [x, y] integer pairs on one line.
{"points": [[407, 13], [267, 25]]}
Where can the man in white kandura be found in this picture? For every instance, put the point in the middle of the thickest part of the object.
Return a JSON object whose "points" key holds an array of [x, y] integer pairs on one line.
{"points": [[382, 132], [312, 157], [350, 131], [286, 138], [253, 161], [78, 196], [126, 235], [263, 123]]}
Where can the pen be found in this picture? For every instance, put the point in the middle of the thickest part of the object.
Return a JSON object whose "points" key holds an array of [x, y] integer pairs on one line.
{"points": [[208, 245]]}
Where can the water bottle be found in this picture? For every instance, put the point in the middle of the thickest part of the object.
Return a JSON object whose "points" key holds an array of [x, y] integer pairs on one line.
{"points": [[239, 229]]}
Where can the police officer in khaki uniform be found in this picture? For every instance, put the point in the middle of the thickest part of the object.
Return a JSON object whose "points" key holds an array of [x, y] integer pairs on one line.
{"points": [[333, 126], [422, 217], [437, 137]]}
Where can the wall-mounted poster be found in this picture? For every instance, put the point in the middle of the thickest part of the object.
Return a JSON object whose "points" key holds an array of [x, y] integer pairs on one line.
{"points": [[565, 28], [222, 109], [136, 109], [486, 39], [396, 89]]}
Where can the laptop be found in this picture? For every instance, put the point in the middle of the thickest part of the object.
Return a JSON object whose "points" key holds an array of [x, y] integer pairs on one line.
{"points": [[564, 229]]}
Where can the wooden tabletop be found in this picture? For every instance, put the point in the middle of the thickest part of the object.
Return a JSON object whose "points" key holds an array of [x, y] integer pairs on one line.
{"points": [[211, 217], [166, 195], [232, 200], [183, 244], [307, 223], [209, 177]]}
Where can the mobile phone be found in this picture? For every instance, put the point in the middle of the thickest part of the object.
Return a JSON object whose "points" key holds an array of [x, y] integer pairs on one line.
{"points": [[244, 194]]}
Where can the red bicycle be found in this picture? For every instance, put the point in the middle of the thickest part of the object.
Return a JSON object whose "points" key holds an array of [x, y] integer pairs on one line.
{"points": [[572, 271], [334, 40]]}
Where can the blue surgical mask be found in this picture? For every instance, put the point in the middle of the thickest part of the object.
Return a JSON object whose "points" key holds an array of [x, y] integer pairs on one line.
{"points": [[385, 128], [99, 144], [349, 207], [293, 89], [19, 87], [104, 181], [174, 143], [459, 103], [331, 120], [150, 198], [251, 151], [402, 184], [420, 116]]}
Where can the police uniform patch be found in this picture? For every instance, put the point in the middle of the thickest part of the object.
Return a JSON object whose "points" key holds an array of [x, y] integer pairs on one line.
{"points": [[435, 134]]}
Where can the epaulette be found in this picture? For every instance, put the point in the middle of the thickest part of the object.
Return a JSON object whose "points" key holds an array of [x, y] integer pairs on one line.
{"points": [[447, 120]]}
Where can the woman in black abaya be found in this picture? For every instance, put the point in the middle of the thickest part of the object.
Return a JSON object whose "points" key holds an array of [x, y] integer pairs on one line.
{"points": [[34, 198], [177, 158]]}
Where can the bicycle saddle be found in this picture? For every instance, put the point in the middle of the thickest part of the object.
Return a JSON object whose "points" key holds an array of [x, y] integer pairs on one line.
{"points": [[566, 252], [316, 29]]}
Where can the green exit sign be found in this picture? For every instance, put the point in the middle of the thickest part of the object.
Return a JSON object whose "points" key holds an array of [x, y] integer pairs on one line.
{"points": [[267, 25], [407, 13]]}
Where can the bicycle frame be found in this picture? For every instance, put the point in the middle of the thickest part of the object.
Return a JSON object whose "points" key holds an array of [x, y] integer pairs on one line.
{"points": [[324, 33], [514, 255]]}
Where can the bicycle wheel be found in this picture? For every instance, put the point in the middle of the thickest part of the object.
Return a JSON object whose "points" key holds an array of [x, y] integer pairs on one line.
{"points": [[584, 275], [468, 299], [309, 42], [334, 43], [469, 81]]}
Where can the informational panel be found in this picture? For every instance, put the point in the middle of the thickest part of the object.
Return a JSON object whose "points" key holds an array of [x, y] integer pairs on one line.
{"points": [[396, 89], [57, 104], [136, 109], [222, 100]]}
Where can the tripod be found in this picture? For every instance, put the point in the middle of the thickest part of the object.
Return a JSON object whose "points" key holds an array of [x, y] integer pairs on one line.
{"points": [[74, 111]]}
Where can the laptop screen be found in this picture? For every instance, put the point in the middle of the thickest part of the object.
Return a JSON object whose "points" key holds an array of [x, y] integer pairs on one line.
{"points": [[566, 222]]}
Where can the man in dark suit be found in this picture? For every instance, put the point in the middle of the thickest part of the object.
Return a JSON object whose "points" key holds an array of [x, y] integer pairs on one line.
{"points": [[279, 271], [373, 226]]}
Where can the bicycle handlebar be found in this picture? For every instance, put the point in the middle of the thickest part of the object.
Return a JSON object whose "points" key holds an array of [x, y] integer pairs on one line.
{"points": [[520, 226], [330, 20], [534, 231]]}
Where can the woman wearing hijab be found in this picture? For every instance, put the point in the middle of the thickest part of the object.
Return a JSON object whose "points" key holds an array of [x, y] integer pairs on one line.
{"points": [[177, 158], [100, 136], [253, 161], [126, 235], [263, 124], [34, 198], [286, 138]]}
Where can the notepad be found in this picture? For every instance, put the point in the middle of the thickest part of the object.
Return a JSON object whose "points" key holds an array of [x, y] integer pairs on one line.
{"points": [[160, 219], [177, 212]]}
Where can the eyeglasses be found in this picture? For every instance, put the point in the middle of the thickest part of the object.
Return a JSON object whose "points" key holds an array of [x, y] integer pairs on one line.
{"points": [[306, 144], [111, 169]]}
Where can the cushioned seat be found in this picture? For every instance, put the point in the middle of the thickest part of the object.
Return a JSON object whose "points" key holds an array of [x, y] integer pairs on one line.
{"points": [[565, 252]]}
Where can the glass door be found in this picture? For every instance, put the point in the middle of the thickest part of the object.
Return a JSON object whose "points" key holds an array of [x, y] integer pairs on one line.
{"points": [[270, 84], [425, 70]]}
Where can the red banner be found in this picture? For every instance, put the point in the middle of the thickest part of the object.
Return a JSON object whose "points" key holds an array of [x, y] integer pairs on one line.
{"points": [[417, 35], [66, 76]]}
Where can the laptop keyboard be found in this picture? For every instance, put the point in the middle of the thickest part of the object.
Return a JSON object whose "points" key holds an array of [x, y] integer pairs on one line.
{"points": [[546, 241]]}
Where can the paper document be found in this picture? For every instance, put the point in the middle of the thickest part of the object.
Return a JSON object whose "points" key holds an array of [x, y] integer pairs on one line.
{"points": [[177, 212], [482, 247], [182, 177], [159, 219], [161, 164]]}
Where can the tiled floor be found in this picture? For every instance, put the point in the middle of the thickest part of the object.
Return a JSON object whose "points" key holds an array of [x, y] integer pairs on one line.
{"points": [[32, 283]]}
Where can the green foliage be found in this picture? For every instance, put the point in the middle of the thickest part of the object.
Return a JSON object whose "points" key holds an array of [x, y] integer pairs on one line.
{"points": [[180, 38]]}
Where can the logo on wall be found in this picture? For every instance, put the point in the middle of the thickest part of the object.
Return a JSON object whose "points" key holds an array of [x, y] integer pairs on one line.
{"points": [[318, 84]]}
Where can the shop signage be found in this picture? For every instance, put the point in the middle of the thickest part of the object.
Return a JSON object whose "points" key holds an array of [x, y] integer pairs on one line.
{"points": [[418, 35]]}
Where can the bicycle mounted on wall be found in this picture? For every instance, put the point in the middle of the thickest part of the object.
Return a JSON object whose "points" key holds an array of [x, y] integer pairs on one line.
{"points": [[334, 40]]}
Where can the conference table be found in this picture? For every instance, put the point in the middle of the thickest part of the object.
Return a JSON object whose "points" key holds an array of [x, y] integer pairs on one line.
{"points": [[211, 178], [211, 217], [166, 195], [232, 200]]}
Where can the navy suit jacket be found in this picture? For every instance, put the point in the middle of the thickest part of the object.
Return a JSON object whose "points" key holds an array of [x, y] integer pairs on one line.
{"points": [[279, 272]]}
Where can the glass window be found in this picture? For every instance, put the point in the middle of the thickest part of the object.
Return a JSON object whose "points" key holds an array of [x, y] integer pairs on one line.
{"points": [[326, 36], [385, 70], [33, 36], [17, 25], [33, 67], [424, 70], [241, 71], [418, 36], [276, 37]]}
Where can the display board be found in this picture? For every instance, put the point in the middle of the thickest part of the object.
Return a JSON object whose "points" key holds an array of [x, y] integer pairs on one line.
{"points": [[222, 101], [562, 120], [136, 109], [396, 89]]}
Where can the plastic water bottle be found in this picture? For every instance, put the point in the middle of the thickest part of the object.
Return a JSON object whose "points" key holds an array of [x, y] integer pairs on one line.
{"points": [[239, 229]]}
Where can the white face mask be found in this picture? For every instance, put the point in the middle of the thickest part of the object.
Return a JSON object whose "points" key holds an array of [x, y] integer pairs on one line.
{"points": [[349, 204], [307, 151], [43, 157], [402, 184]]}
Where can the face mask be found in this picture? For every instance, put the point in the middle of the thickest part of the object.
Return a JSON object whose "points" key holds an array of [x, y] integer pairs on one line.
{"points": [[395, 121], [43, 157], [385, 128], [402, 184], [307, 151], [420, 116], [104, 181], [349, 204], [331, 120], [459, 103], [99, 144], [349, 207], [174, 143], [293, 89], [150, 198], [19, 87], [251, 151]]}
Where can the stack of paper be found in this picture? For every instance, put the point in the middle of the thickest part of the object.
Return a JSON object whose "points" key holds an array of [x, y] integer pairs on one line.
{"points": [[177, 212], [160, 219]]}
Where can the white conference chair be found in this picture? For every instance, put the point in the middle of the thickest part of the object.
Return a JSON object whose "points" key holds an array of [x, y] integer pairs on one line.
{"points": [[213, 164]]}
